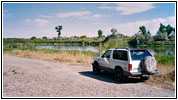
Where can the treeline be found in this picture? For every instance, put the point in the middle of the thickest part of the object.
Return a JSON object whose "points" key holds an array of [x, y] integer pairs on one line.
{"points": [[143, 36], [164, 35], [83, 40]]}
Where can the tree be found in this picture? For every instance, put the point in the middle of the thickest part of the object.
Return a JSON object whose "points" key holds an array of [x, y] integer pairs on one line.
{"points": [[44, 37], [170, 31], [162, 28], [141, 36], [58, 29], [161, 36], [164, 33], [83, 36], [114, 31], [33, 38], [143, 30], [148, 36], [100, 32]]}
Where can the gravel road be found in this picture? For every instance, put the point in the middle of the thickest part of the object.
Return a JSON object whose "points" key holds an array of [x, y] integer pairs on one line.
{"points": [[24, 77]]}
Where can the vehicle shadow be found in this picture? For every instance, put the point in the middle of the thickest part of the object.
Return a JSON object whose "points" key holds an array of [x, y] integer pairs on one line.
{"points": [[108, 77]]}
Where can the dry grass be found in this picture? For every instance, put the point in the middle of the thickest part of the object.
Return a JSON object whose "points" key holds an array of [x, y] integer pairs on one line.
{"points": [[61, 56], [165, 78]]}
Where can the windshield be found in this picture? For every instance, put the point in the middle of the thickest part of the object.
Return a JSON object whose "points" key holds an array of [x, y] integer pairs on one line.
{"points": [[139, 54]]}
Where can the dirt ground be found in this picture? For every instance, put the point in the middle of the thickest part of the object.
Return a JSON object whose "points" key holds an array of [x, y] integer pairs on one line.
{"points": [[24, 77]]}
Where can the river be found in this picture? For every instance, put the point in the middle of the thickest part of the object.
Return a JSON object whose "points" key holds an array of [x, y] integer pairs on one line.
{"points": [[164, 50]]}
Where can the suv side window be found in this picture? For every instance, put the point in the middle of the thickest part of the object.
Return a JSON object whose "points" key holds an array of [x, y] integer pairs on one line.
{"points": [[107, 54], [120, 55]]}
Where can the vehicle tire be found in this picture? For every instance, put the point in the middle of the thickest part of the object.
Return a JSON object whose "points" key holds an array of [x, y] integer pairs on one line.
{"points": [[145, 78], [96, 69], [149, 64], [119, 75]]}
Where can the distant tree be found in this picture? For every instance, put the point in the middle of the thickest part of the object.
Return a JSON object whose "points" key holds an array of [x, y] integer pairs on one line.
{"points": [[33, 38], [58, 29], [142, 29], [141, 36], [100, 32], [162, 28], [148, 36], [161, 36], [44, 37], [114, 31], [170, 31], [83, 36], [164, 33]]}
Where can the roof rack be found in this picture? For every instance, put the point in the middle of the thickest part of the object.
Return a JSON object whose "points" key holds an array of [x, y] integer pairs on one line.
{"points": [[123, 48]]}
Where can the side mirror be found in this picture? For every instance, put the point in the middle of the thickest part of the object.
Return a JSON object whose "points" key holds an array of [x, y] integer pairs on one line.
{"points": [[100, 56]]}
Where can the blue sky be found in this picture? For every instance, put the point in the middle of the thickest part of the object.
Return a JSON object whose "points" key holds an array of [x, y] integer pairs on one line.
{"points": [[25, 20]]}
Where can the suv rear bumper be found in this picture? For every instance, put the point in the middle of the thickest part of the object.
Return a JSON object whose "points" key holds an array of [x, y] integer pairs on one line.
{"points": [[135, 74]]}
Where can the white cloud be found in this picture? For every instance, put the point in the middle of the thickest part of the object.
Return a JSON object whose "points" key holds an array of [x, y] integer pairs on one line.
{"points": [[80, 15], [130, 8], [44, 16], [96, 16], [91, 17], [28, 21], [105, 7], [73, 14], [152, 25], [41, 22]]}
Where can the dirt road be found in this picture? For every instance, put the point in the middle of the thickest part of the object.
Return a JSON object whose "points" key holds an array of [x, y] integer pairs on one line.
{"points": [[23, 77]]}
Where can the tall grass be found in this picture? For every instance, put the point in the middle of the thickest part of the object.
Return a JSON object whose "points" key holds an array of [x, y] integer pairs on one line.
{"points": [[162, 59], [58, 55]]}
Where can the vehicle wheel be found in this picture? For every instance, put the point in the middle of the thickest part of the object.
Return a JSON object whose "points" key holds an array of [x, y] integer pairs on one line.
{"points": [[96, 69], [145, 78], [119, 75]]}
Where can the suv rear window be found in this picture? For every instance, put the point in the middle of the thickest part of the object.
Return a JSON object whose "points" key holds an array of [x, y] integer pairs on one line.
{"points": [[139, 54], [120, 55]]}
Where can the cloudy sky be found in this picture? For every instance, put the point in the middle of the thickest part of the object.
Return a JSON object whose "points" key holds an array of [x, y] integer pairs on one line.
{"points": [[39, 19]]}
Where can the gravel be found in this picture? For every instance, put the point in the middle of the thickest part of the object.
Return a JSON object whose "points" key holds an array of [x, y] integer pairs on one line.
{"points": [[24, 77]]}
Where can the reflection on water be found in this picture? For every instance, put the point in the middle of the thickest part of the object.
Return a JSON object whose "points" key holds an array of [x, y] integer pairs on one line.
{"points": [[166, 50], [63, 47]]}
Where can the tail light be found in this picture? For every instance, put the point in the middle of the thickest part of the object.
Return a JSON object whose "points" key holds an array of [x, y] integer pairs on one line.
{"points": [[130, 67]]}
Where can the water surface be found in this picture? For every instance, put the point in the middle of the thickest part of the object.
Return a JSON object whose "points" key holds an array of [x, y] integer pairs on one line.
{"points": [[164, 50]]}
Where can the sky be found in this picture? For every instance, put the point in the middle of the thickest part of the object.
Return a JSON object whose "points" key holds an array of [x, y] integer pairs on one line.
{"points": [[24, 20]]}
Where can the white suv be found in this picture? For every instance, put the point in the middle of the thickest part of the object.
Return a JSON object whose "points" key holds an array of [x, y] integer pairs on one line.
{"points": [[126, 62]]}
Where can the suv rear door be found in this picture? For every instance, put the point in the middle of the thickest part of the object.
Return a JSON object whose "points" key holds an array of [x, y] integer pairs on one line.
{"points": [[136, 58]]}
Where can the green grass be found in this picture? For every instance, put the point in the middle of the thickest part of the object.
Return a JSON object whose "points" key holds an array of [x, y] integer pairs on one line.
{"points": [[168, 60]]}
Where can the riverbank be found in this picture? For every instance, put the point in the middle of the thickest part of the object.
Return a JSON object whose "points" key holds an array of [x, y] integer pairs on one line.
{"points": [[166, 65]]}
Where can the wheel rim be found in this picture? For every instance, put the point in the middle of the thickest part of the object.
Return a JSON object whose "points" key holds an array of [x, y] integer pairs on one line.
{"points": [[94, 69], [118, 75]]}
